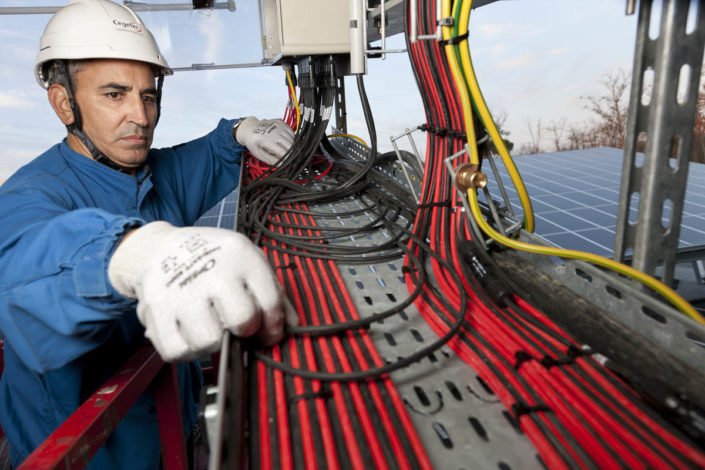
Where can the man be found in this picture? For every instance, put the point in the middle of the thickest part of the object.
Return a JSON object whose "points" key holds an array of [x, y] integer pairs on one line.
{"points": [[91, 259]]}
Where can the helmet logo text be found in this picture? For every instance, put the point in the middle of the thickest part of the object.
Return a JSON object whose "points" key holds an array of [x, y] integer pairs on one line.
{"points": [[127, 26]]}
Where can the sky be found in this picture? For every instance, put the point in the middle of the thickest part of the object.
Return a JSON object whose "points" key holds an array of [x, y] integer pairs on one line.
{"points": [[533, 59]]}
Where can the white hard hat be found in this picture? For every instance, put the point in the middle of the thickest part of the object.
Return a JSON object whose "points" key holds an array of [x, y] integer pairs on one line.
{"points": [[97, 29]]}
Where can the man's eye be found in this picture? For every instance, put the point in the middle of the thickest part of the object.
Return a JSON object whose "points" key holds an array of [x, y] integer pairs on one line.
{"points": [[149, 99], [113, 95]]}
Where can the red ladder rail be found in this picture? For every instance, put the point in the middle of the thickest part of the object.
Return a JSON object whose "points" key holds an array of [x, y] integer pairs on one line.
{"points": [[2, 368], [73, 444]]}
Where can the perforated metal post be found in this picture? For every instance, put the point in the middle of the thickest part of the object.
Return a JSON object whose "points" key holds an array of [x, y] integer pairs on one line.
{"points": [[666, 120], [341, 120]]}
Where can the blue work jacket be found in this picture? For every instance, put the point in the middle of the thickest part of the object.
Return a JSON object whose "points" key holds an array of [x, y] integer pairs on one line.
{"points": [[66, 329]]}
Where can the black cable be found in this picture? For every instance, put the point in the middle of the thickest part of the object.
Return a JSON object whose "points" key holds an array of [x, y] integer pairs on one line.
{"points": [[379, 371]]}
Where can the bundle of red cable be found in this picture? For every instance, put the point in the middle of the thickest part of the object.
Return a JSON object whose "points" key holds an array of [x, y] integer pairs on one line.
{"points": [[576, 412]]}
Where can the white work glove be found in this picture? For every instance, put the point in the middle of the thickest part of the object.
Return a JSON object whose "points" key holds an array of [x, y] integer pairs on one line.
{"points": [[268, 139], [192, 283]]}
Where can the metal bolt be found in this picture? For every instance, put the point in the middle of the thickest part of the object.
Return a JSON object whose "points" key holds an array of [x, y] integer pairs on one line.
{"points": [[469, 177], [671, 402]]}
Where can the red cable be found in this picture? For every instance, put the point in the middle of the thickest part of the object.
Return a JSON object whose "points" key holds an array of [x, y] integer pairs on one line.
{"points": [[629, 441], [574, 401], [327, 355], [631, 412], [326, 430], [304, 419], [286, 456], [338, 308], [264, 441]]}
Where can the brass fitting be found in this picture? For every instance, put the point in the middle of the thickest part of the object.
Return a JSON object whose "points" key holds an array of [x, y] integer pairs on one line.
{"points": [[467, 177]]}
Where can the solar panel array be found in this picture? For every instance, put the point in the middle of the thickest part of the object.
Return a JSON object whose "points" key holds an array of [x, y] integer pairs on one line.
{"points": [[575, 198], [222, 215]]}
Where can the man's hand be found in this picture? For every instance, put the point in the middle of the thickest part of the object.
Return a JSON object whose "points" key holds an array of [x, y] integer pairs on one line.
{"points": [[268, 139], [192, 283]]}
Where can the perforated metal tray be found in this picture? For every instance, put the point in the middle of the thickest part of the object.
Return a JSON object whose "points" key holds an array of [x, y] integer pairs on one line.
{"points": [[459, 419]]}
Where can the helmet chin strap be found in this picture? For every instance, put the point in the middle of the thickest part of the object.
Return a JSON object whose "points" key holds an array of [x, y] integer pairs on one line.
{"points": [[76, 127]]}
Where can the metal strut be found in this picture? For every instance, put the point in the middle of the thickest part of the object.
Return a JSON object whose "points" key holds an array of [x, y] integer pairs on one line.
{"points": [[674, 58]]}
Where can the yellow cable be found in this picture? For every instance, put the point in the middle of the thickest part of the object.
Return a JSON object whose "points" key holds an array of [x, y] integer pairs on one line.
{"points": [[351, 137], [679, 302], [648, 281], [487, 120], [296, 101], [460, 86]]}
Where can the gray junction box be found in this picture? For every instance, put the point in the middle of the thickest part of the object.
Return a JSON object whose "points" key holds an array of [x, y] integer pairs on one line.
{"points": [[305, 27]]}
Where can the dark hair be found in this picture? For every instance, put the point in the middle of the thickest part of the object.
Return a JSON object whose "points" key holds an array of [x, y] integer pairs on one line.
{"points": [[72, 68]]}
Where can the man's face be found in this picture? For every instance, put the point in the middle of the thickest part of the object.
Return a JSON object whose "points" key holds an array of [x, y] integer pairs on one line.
{"points": [[118, 104]]}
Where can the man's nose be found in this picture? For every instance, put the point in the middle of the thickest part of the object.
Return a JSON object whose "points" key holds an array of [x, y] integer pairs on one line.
{"points": [[139, 113]]}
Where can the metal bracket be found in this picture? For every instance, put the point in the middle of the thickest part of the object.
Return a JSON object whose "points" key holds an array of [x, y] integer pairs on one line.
{"points": [[414, 33], [699, 267], [506, 223], [472, 224], [383, 51], [440, 21], [407, 132], [631, 7], [500, 184], [341, 121], [666, 119], [134, 6], [225, 415]]}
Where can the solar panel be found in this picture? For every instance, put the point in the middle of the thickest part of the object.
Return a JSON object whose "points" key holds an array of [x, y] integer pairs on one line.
{"points": [[222, 215], [575, 198]]}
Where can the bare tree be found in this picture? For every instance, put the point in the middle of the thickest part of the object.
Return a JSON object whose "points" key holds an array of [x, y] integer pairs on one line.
{"points": [[699, 128], [578, 136], [698, 152], [609, 126], [500, 121], [611, 108], [575, 138], [556, 129], [534, 128]]}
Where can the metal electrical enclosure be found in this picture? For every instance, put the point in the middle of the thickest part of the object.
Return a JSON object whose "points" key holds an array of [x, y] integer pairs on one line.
{"points": [[304, 27]]}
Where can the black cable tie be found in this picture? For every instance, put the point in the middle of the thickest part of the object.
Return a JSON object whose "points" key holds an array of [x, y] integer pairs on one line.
{"points": [[408, 270], [430, 129], [324, 392], [576, 352], [446, 203], [521, 357], [286, 266], [427, 128], [458, 135], [548, 361], [520, 408], [443, 132], [454, 40]]}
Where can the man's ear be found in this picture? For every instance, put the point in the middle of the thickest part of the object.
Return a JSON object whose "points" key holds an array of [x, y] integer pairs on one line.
{"points": [[59, 100]]}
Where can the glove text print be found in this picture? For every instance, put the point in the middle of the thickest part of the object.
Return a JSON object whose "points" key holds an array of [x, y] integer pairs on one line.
{"points": [[192, 260], [268, 128]]}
